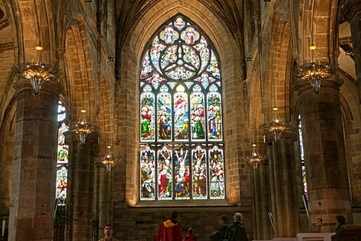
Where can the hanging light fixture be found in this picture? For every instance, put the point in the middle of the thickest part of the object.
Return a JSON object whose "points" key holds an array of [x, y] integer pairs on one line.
{"points": [[314, 72], [108, 161], [276, 127], [82, 128], [37, 73], [255, 158]]}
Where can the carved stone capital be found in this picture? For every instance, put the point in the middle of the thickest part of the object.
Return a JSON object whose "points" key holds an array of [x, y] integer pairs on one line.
{"points": [[49, 87], [303, 86]]}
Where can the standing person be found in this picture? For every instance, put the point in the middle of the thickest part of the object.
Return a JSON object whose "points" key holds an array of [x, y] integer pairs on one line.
{"points": [[189, 235], [341, 221], [169, 230], [220, 234], [236, 231], [340, 226], [108, 234]]}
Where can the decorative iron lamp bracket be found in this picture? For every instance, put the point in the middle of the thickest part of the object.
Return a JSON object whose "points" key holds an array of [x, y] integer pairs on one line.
{"points": [[82, 129], [314, 73], [255, 158], [108, 160], [276, 131], [36, 73]]}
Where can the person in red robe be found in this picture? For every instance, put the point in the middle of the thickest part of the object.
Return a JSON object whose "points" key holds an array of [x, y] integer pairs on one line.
{"points": [[169, 230]]}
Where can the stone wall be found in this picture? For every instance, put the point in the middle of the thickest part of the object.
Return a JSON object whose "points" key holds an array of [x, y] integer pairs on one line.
{"points": [[140, 224]]}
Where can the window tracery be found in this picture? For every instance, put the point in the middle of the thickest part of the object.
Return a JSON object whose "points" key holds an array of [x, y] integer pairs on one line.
{"points": [[181, 121]]}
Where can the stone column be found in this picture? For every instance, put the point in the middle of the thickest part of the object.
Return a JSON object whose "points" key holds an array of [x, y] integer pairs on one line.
{"points": [[82, 173], [34, 168], [356, 45], [324, 152], [261, 203], [105, 197], [351, 11], [282, 179], [102, 204], [97, 231]]}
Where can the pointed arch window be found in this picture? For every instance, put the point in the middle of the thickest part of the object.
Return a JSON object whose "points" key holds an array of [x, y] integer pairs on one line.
{"points": [[181, 121], [62, 158], [302, 161]]}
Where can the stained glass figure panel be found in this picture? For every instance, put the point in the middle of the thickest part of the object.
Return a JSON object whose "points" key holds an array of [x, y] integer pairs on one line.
{"points": [[182, 173], [181, 123], [214, 116], [181, 114], [147, 173], [216, 173], [199, 171], [62, 159], [61, 184], [164, 115], [165, 173], [147, 114], [198, 115]]}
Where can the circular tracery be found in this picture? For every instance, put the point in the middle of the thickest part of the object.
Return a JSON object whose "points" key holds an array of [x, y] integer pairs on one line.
{"points": [[179, 51]]}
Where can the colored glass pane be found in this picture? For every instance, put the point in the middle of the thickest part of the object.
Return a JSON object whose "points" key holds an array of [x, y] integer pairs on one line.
{"points": [[147, 173], [165, 174], [198, 114], [181, 119], [147, 115], [182, 173], [214, 116], [62, 159], [216, 169], [180, 116], [164, 116], [199, 173], [302, 158]]}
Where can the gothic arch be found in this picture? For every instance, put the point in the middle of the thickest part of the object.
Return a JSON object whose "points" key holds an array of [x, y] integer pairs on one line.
{"points": [[318, 16], [8, 56], [127, 134], [351, 121], [278, 83], [29, 25], [77, 84], [36, 27]]}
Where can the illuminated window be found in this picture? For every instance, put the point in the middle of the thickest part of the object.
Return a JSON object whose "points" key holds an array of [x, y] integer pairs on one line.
{"points": [[62, 158], [181, 122], [302, 158]]}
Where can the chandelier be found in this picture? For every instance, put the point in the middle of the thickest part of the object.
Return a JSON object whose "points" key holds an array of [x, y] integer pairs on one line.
{"points": [[276, 127], [37, 73], [82, 128], [108, 161], [314, 73], [255, 159]]}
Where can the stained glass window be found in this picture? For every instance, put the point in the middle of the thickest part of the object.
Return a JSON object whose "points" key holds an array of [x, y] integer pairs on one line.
{"points": [[62, 158], [181, 122], [302, 159]]}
